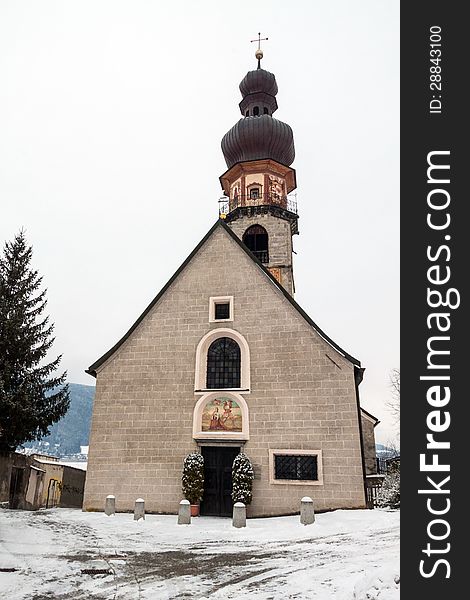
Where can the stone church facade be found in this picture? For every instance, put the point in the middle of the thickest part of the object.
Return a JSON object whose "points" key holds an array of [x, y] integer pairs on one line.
{"points": [[224, 360]]}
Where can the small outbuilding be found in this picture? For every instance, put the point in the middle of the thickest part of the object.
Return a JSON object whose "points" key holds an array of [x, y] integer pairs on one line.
{"points": [[30, 482]]}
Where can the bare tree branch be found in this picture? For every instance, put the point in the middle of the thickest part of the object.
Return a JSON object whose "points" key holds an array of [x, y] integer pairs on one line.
{"points": [[394, 403]]}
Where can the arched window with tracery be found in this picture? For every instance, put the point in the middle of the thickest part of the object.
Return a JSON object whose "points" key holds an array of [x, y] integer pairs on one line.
{"points": [[256, 239], [223, 364]]}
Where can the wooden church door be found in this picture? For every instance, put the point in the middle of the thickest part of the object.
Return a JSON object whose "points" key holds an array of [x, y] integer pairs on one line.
{"points": [[218, 461]]}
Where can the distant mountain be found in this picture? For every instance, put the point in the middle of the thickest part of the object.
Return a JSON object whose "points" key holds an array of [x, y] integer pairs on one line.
{"points": [[386, 452], [381, 447], [73, 430]]}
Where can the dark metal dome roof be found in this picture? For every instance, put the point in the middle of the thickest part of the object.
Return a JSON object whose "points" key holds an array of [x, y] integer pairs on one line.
{"points": [[258, 135], [258, 81], [255, 138]]}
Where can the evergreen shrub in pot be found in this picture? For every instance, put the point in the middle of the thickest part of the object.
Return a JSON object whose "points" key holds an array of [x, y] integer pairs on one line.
{"points": [[242, 479], [193, 480]]}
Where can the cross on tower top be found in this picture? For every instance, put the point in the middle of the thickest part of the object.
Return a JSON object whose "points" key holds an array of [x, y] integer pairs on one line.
{"points": [[259, 52]]}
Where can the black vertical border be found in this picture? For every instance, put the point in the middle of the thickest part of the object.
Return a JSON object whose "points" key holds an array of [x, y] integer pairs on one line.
{"points": [[421, 133]]}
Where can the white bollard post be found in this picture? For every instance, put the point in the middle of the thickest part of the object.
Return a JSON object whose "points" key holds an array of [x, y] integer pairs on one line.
{"points": [[110, 505], [239, 515], [307, 512], [139, 509], [184, 513]]}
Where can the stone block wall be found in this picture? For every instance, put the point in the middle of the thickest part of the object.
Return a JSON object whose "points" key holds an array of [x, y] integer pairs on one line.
{"points": [[73, 484], [302, 394], [370, 453], [280, 243]]}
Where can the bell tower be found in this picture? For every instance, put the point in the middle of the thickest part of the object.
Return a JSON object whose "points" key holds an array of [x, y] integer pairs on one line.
{"points": [[259, 150]]}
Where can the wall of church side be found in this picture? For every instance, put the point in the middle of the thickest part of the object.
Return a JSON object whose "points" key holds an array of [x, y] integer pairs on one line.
{"points": [[370, 453], [302, 394]]}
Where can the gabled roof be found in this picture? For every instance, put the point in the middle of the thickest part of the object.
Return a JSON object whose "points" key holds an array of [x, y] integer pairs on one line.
{"points": [[371, 416], [220, 223]]}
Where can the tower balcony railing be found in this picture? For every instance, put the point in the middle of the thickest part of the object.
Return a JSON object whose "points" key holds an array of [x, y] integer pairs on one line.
{"points": [[288, 202], [291, 200], [262, 256]]}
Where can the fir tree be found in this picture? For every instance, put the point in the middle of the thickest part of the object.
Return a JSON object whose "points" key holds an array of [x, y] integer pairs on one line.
{"points": [[389, 493], [193, 477], [32, 395], [242, 478]]}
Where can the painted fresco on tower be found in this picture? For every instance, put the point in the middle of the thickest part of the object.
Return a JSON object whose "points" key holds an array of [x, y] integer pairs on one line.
{"points": [[222, 414], [276, 189], [276, 273], [235, 195]]}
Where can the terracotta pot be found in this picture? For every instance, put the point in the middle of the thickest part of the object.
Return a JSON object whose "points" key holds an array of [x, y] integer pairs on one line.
{"points": [[195, 510]]}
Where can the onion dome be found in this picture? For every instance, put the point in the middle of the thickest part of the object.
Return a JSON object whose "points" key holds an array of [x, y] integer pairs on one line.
{"points": [[258, 87], [258, 80], [258, 135], [256, 138]]}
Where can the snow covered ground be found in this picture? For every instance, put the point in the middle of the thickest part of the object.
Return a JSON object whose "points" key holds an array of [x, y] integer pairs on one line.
{"points": [[344, 555]]}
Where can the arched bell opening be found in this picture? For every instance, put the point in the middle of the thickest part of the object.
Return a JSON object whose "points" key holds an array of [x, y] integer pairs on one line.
{"points": [[256, 239]]}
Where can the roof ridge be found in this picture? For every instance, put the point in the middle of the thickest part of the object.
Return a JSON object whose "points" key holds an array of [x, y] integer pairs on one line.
{"points": [[297, 306], [92, 368], [219, 223]]}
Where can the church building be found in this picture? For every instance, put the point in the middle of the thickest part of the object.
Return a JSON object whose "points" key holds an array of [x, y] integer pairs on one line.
{"points": [[224, 360]]}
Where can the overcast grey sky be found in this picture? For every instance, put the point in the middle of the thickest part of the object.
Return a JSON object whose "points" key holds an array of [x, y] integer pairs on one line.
{"points": [[111, 109]]}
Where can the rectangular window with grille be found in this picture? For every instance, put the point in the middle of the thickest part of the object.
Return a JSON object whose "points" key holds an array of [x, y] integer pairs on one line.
{"points": [[296, 467]]}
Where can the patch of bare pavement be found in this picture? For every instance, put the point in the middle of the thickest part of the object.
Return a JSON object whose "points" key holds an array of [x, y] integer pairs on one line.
{"points": [[134, 570], [131, 574]]}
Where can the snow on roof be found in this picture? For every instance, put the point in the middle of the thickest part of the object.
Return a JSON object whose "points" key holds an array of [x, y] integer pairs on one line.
{"points": [[81, 465], [43, 461], [36, 469]]}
